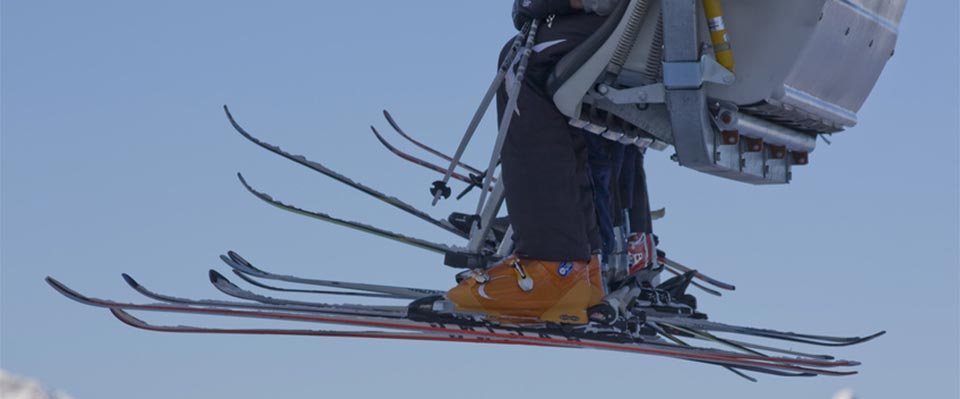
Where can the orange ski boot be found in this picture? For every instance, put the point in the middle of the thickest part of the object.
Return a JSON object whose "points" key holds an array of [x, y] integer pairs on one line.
{"points": [[526, 291]]}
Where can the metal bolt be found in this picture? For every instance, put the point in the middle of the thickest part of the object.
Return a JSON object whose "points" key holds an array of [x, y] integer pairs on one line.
{"points": [[726, 117]]}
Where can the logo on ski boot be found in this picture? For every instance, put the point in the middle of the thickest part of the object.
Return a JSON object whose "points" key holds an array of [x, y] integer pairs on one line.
{"points": [[564, 269]]}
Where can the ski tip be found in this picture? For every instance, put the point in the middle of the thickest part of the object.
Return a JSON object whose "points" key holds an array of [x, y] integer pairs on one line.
{"points": [[393, 123], [875, 335], [248, 187], [241, 261], [53, 282], [233, 264], [130, 281], [64, 290], [383, 141], [225, 259], [234, 255], [216, 277], [127, 318], [226, 110]]}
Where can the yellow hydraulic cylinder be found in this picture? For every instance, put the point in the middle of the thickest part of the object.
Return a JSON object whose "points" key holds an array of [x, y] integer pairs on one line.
{"points": [[718, 33]]}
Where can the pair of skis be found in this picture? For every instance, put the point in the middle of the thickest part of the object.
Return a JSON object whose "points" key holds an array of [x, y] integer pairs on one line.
{"points": [[391, 322]]}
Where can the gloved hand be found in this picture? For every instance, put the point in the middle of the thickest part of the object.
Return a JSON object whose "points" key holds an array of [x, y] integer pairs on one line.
{"points": [[600, 7], [527, 10]]}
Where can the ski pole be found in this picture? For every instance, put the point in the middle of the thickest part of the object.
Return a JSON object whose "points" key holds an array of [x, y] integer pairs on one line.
{"points": [[513, 94], [440, 186]]}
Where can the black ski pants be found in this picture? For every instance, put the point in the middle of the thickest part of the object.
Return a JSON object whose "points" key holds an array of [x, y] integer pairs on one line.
{"points": [[544, 160]]}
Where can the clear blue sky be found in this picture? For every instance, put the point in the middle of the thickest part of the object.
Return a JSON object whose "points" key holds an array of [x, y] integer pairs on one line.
{"points": [[116, 158]]}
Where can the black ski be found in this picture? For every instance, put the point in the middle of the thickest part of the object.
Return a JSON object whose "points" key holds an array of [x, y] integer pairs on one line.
{"points": [[227, 287], [238, 263], [396, 128], [416, 242], [415, 160], [396, 312], [820, 340], [254, 282]]}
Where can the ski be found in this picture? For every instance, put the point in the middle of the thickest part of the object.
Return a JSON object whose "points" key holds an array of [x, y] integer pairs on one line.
{"points": [[694, 283], [681, 342], [227, 287], [820, 340], [135, 322], [658, 214], [238, 263], [300, 159], [396, 127], [683, 269], [395, 312], [138, 323], [702, 335], [695, 354], [250, 280], [417, 161], [689, 332], [416, 242]]}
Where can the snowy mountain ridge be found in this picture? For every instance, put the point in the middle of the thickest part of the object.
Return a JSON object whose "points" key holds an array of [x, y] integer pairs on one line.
{"points": [[16, 387]]}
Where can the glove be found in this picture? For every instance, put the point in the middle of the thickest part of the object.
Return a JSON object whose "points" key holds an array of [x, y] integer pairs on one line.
{"points": [[600, 7], [527, 10]]}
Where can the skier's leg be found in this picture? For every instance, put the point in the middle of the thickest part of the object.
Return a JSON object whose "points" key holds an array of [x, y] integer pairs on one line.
{"points": [[589, 205], [601, 171], [544, 158], [553, 276], [641, 246], [640, 220]]}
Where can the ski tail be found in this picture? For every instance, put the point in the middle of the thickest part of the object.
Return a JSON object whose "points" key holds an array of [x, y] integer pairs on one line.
{"points": [[810, 339]]}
